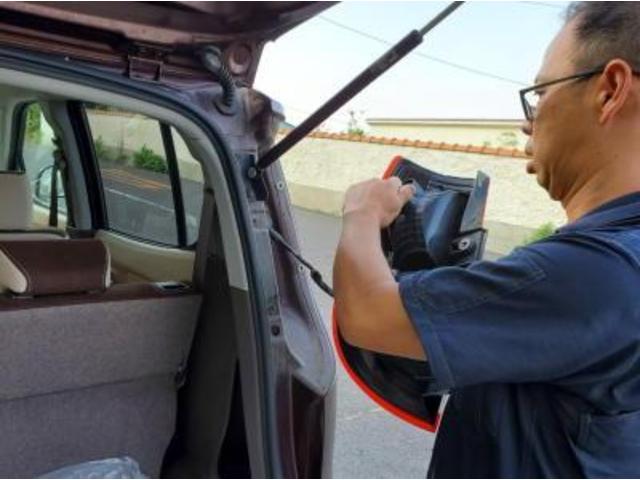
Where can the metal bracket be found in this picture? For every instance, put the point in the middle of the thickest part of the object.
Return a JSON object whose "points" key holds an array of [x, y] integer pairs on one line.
{"points": [[146, 62], [135, 65]]}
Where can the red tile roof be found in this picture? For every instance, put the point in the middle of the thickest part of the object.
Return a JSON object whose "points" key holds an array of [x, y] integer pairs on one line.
{"points": [[428, 144]]}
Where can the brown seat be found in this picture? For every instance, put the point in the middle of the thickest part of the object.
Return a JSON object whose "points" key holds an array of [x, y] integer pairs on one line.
{"points": [[48, 267]]}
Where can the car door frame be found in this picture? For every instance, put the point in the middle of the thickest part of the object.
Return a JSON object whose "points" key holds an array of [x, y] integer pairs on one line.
{"points": [[262, 351]]}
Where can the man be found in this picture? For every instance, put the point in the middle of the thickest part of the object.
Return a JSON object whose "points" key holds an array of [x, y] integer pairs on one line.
{"points": [[541, 349]]}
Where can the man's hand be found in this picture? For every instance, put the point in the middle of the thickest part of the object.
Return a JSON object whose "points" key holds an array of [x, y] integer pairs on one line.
{"points": [[380, 200], [369, 309]]}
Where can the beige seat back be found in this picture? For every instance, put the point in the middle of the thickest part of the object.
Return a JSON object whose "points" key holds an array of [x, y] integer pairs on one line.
{"points": [[16, 210]]}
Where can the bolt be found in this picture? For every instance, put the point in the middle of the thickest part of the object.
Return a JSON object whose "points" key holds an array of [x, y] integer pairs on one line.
{"points": [[275, 330], [464, 244], [252, 172], [280, 185]]}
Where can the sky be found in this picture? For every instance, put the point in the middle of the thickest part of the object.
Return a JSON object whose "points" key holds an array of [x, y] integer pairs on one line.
{"points": [[307, 65]]}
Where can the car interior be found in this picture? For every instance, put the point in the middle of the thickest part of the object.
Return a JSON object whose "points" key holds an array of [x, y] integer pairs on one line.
{"points": [[117, 246]]}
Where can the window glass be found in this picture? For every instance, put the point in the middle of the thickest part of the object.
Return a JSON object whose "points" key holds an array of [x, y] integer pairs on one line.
{"points": [[133, 166], [38, 147]]}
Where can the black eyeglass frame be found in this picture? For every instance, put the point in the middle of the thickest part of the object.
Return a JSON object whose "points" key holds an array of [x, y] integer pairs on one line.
{"points": [[528, 110]]}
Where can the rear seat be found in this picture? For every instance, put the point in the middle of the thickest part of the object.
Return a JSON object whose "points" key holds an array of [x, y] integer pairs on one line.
{"points": [[16, 210], [87, 371]]}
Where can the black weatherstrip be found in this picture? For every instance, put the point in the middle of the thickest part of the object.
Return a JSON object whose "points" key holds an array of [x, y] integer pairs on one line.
{"points": [[176, 186], [16, 162], [90, 168]]}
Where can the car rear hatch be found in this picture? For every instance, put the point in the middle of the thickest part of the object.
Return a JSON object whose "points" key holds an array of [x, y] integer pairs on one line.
{"points": [[153, 39]]}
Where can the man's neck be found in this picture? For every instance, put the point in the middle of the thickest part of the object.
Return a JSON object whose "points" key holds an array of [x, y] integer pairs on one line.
{"points": [[606, 185]]}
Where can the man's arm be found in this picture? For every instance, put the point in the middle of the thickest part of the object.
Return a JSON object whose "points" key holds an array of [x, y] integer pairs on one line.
{"points": [[369, 309]]}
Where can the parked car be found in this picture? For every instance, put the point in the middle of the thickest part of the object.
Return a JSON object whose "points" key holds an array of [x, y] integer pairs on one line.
{"points": [[146, 311]]}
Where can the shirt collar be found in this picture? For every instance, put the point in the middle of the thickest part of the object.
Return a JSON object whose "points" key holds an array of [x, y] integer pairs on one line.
{"points": [[611, 212]]}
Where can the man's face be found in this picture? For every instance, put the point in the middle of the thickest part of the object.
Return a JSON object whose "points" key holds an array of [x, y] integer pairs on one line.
{"points": [[556, 136]]}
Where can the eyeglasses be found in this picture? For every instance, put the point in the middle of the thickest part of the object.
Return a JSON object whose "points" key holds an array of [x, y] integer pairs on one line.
{"points": [[531, 95]]}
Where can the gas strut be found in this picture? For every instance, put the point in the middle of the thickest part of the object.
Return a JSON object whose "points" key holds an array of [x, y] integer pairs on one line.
{"points": [[355, 86]]}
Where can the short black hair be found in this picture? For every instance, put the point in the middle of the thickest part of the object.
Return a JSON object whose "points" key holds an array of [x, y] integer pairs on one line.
{"points": [[604, 31]]}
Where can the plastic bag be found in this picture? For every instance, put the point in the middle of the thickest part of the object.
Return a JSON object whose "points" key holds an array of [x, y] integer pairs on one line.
{"points": [[123, 467]]}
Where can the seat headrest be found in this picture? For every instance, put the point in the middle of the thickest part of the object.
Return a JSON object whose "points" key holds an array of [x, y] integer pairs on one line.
{"points": [[47, 267], [16, 205]]}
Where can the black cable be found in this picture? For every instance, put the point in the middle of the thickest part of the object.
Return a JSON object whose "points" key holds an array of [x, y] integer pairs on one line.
{"points": [[229, 91], [212, 59], [316, 276]]}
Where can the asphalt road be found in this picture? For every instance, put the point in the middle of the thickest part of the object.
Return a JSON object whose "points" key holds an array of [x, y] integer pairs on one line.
{"points": [[369, 443]]}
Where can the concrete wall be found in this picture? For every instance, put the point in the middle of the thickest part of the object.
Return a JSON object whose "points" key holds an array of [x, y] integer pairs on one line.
{"points": [[476, 133], [319, 171]]}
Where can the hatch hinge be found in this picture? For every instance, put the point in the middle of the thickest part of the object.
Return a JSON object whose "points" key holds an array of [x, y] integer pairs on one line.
{"points": [[146, 61]]}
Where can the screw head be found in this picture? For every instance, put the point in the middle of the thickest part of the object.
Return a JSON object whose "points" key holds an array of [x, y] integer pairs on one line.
{"points": [[464, 244]]}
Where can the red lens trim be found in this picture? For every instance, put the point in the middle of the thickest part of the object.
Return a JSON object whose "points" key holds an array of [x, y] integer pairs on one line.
{"points": [[391, 168], [389, 407]]}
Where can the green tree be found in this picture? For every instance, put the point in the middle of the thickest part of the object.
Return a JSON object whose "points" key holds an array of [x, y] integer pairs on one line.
{"points": [[33, 129], [508, 139], [353, 125], [543, 231], [109, 154], [147, 159]]}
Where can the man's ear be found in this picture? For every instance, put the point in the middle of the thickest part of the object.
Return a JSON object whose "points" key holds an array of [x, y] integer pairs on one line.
{"points": [[613, 87]]}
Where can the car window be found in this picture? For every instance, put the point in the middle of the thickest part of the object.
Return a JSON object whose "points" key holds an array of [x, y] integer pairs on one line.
{"points": [[143, 175], [37, 158]]}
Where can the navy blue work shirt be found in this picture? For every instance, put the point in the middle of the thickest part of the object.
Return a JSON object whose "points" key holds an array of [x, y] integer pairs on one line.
{"points": [[541, 353]]}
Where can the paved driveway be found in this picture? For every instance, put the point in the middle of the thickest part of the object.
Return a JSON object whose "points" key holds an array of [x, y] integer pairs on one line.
{"points": [[370, 443]]}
